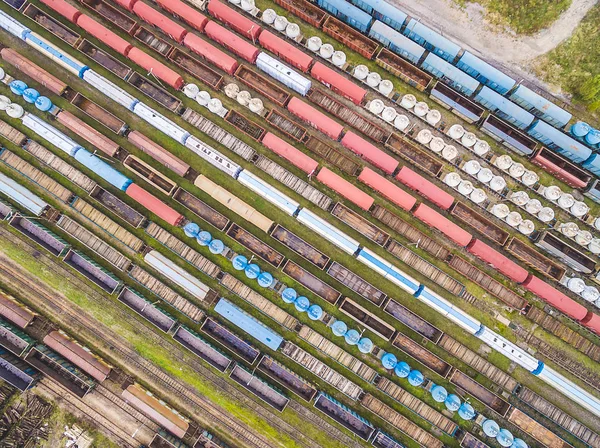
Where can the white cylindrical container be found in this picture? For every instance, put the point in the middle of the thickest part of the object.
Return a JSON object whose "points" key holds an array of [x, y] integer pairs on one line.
{"points": [[497, 183], [583, 238], [533, 206], [280, 23], [386, 87], [401, 122], [314, 43], [449, 153], [376, 106], [478, 196], [256, 105], [433, 117], [15, 110], [421, 109], [361, 72], [527, 227], [468, 139], [481, 148], [472, 167], [514, 219], [485, 175], [4, 102], [552, 193], [504, 162], [373, 79], [500, 210], [244, 98], [326, 51], [579, 209], [452, 179], [516, 170], [594, 246], [338, 58], [546, 214], [519, 198], [293, 31], [2, 73], [569, 229], [232, 90], [408, 101], [456, 132], [215, 105], [465, 187], [235, 2], [597, 223], [424, 136], [437, 144], [389, 114], [247, 5], [576, 285], [590, 294], [268, 16], [191, 90], [566, 201], [529, 178]]}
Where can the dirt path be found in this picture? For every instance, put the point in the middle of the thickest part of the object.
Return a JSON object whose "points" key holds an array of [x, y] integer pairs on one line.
{"points": [[468, 28]]}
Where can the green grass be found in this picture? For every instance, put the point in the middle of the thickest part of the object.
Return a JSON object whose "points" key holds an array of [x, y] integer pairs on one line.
{"points": [[576, 61]]}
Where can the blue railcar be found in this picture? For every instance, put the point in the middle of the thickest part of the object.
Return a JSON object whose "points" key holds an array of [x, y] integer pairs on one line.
{"points": [[449, 74], [103, 169], [593, 164], [504, 108], [396, 42], [347, 13], [540, 107], [431, 40], [555, 139], [485, 73], [383, 11]]}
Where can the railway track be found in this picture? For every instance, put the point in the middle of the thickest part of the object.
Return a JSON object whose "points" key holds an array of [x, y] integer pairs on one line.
{"points": [[188, 397]]}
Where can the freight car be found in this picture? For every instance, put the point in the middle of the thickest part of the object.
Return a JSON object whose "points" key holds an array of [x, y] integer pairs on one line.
{"points": [[262, 389], [202, 348], [344, 416], [39, 234], [287, 378]]}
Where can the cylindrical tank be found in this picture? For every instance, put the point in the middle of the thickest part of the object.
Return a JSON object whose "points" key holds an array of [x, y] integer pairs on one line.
{"points": [[361, 72], [552, 193], [481, 148], [472, 167], [244, 97], [292, 31], [594, 246], [579, 209], [456, 132], [500, 210], [2, 74], [247, 5], [215, 105], [593, 137], [389, 114], [408, 101], [401, 122], [326, 51], [514, 219], [44, 104], [566, 201], [433, 117], [546, 214], [373, 79], [280, 23], [385, 87], [497, 183], [583, 238], [533, 206], [597, 223], [191, 90], [516, 170], [437, 144], [203, 98], [526, 227], [485, 175], [465, 187], [4, 102], [15, 110], [17, 87], [569, 229], [580, 129], [520, 198], [376, 106], [449, 153], [256, 105], [30, 95], [529, 178], [576, 285], [424, 136], [452, 179], [338, 58], [269, 16], [478, 196], [468, 139], [421, 109], [503, 162], [232, 90], [314, 43], [590, 294]]}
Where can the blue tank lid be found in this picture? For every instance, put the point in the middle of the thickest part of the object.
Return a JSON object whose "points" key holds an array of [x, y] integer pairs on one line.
{"points": [[452, 402], [315, 312], [44, 104], [490, 428], [204, 238], [289, 295], [216, 247], [239, 262], [302, 304], [191, 229], [593, 137], [17, 87], [466, 411], [352, 337], [389, 361], [339, 328], [580, 129], [415, 378], [30, 95], [519, 443], [365, 345], [265, 279], [252, 271], [402, 369], [505, 438], [439, 393]]}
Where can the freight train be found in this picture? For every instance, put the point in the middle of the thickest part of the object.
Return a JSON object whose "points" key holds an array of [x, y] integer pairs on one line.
{"points": [[306, 217]]}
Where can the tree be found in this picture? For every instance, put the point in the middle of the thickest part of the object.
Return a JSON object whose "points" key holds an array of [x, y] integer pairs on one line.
{"points": [[590, 89]]}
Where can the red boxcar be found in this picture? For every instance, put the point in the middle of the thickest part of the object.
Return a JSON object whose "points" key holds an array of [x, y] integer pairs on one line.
{"points": [[211, 53], [104, 35], [234, 19], [425, 188], [158, 153], [369, 152], [186, 13], [561, 168], [285, 51], [155, 205], [288, 152], [159, 20], [232, 42], [338, 83], [391, 192], [592, 322], [17, 314], [345, 189], [127, 4], [555, 298], [64, 9], [158, 69], [316, 119], [453, 231], [504, 265], [34, 71], [81, 128]]}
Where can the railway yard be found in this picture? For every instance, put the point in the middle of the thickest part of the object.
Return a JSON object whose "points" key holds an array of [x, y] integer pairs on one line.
{"points": [[288, 224]]}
